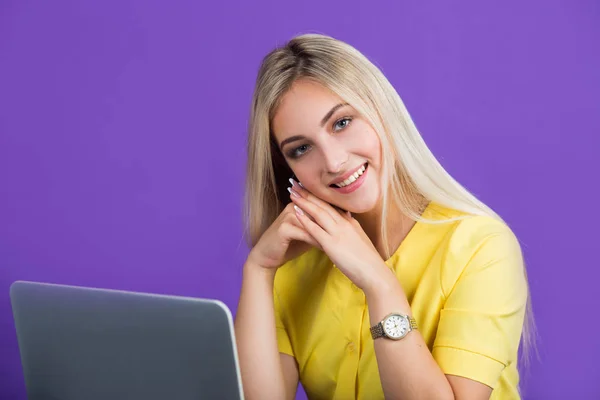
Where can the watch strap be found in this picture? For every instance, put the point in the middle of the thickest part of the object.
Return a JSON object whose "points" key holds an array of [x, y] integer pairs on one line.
{"points": [[377, 330], [413, 323]]}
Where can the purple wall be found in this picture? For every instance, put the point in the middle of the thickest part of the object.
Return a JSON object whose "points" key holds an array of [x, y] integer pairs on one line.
{"points": [[122, 143]]}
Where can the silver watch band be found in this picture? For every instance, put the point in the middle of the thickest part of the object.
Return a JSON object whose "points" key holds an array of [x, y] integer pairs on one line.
{"points": [[377, 330]]}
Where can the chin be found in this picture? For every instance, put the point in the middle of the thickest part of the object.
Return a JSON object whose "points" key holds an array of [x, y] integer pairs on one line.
{"points": [[360, 206], [358, 203], [361, 209]]}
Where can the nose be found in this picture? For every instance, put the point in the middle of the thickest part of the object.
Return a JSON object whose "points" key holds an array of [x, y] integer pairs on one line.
{"points": [[335, 158]]}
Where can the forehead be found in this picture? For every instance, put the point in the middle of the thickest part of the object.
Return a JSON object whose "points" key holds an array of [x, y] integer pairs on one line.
{"points": [[302, 108]]}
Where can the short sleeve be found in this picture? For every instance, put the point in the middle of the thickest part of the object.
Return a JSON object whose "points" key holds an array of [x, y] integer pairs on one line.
{"points": [[283, 340], [482, 319]]}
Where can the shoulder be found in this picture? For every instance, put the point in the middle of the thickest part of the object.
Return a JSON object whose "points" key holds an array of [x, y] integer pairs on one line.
{"points": [[469, 233], [476, 229], [482, 243], [474, 232]]}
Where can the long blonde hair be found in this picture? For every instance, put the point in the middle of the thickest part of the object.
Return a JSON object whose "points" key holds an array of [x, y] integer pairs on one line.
{"points": [[413, 172]]}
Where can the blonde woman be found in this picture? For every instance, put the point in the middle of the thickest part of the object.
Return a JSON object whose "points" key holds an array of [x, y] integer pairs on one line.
{"points": [[373, 273]]}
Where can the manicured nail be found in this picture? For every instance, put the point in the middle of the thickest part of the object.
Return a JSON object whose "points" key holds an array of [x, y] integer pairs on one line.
{"points": [[293, 192], [294, 183], [298, 210]]}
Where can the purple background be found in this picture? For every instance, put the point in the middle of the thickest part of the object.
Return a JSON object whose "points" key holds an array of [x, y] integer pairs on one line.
{"points": [[122, 143]]}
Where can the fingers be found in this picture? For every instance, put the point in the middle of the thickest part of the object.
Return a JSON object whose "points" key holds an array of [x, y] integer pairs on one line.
{"points": [[314, 199], [298, 233], [320, 216], [345, 214], [340, 211], [313, 229], [291, 215]]}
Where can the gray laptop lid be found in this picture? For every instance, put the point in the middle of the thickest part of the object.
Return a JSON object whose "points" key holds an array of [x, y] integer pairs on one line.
{"points": [[90, 344]]}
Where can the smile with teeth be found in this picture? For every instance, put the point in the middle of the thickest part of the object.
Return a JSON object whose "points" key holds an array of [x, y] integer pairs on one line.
{"points": [[352, 178]]}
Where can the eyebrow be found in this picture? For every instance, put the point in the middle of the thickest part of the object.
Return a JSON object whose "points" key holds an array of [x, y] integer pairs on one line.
{"points": [[330, 113], [290, 140], [323, 122]]}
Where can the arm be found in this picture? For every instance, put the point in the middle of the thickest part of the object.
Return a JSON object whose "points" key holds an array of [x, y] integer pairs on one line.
{"points": [[406, 367], [408, 370], [266, 374]]}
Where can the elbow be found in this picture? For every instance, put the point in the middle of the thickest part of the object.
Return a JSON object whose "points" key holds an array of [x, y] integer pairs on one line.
{"points": [[445, 394], [266, 392]]}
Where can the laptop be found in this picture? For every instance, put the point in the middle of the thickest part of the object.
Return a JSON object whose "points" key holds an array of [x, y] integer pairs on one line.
{"points": [[79, 343]]}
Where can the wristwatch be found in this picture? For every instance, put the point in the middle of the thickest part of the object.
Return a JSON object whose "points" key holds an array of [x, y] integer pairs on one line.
{"points": [[394, 326]]}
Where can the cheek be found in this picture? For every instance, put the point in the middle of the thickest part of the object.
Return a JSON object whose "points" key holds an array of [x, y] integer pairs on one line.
{"points": [[307, 174], [373, 147], [368, 145]]}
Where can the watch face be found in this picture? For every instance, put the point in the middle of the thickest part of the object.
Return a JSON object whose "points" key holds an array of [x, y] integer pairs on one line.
{"points": [[396, 326]]}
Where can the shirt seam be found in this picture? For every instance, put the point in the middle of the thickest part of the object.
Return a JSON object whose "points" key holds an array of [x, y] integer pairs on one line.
{"points": [[470, 351]]}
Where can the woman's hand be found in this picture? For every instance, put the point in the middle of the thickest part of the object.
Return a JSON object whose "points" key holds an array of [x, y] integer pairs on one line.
{"points": [[340, 236], [284, 240]]}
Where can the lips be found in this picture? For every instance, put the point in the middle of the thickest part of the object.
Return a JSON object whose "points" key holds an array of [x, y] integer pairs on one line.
{"points": [[352, 183], [350, 177]]}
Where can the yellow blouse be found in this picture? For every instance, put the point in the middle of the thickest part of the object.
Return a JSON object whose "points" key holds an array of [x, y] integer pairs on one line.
{"points": [[467, 289]]}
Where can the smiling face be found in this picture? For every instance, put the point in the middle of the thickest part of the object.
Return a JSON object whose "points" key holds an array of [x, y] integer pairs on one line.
{"points": [[331, 149]]}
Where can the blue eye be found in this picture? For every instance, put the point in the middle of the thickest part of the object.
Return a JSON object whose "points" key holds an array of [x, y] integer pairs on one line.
{"points": [[298, 151], [341, 123]]}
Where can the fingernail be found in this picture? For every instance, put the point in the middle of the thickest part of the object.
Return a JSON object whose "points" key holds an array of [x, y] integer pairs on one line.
{"points": [[293, 192], [294, 183], [298, 210]]}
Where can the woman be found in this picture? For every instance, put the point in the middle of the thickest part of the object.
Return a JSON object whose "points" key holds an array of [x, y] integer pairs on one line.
{"points": [[372, 273]]}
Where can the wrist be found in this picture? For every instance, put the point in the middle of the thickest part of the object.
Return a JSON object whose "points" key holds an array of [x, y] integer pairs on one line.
{"points": [[381, 282], [253, 268], [384, 294]]}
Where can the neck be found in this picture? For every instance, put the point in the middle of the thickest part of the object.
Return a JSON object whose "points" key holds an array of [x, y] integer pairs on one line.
{"points": [[397, 226]]}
